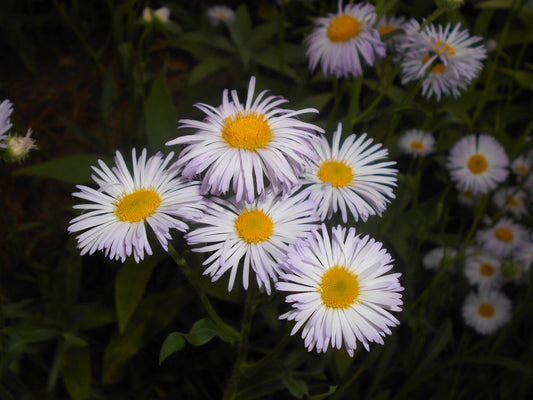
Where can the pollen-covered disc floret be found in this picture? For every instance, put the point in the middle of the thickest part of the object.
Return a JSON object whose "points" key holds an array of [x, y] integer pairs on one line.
{"points": [[240, 146], [251, 236], [443, 58], [478, 163], [486, 311], [6, 108], [339, 40], [502, 239], [416, 142], [512, 200], [349, 177], [339, 290], [115, 218]]}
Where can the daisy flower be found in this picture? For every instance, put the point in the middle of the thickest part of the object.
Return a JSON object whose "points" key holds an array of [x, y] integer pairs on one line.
{"points": [[466, 198], [438, 256], [388, 24], [521, 165], [416, 142], [339, 290], [241, 235], [524, 256], [6, 108], [240, 145], [18, 147], [478, 163], [220, 14], [116, 217], [483, 269], [511, 199], [349, 177], [486, 311], [503, 238], [162, 14], [444, 59], [339, 40]]}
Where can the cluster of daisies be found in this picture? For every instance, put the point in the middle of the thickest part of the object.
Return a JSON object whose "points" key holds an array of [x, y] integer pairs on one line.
{"points": [[443, 60], [503, 250], [253, 187], [12, 146]]}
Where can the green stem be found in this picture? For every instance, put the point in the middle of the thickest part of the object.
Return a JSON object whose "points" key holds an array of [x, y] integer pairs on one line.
{"points": [[233, 384], [3, 358], [346, 385], [337, 94], [353, 107], [436, 14]]}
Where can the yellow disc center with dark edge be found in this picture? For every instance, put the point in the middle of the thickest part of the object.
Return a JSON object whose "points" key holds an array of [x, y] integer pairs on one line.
{"points": [[438, 68], [248, 131], [416, 145], [504, 234], [339, 287], [254, 226], [343, 28], [513, 202], [444, 48], [136, 206], [486, 269], [486, 310], [477, 164], [337, 173], [384, 29]]}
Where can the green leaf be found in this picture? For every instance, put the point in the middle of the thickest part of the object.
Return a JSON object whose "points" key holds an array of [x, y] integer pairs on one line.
{"points": [[76, 373], [207, 67], [152, 315], [495, 4], [298, 388], [240, 32], [523, 78], [70, 169], [129, 287], [202, 332], [73, 340], [174, 342], [160, 114], [94, 315], [505, 362]]}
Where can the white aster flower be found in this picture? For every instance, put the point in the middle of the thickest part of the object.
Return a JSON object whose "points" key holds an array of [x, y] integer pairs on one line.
{"points": [[388, 24], [123, 204], [478, 163], [416, 142], [6, 108], [162, 14], [521, 165], [220, 14], [437, 257], [239, 145], [339, 290], [503, 238], [466, 198], [251, 236], [443, 58], [349, 177], [18, 147], [483, 269], [511, 199], [486, 311], [339, 40]]}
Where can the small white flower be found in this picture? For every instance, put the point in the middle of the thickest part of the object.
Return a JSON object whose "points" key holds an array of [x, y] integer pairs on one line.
{"points": [[251, 236], [486, 311], [416, 142], [239, 145], [478, 163], [511, 199], [18, 147], [444, 59], [503, 238], [339, 40], [466, 198], [524, 256], [118, 211], [220, 14], [162, 14], [437, 257], [483, 269], [521, 166], [339, 290], [388, 24]]}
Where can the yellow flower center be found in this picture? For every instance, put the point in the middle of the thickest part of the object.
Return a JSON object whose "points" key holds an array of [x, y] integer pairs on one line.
{"points": [[486, 310], [416, 145], [444, 48], [438, 68], [254, 226], [504, 234], [384, 29], [522, 169], [486, 269], [136, 206], [343, 28], [339, 287], [248, 131], [477, 164], [513, 202], [337, 173], [468, 195]]}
